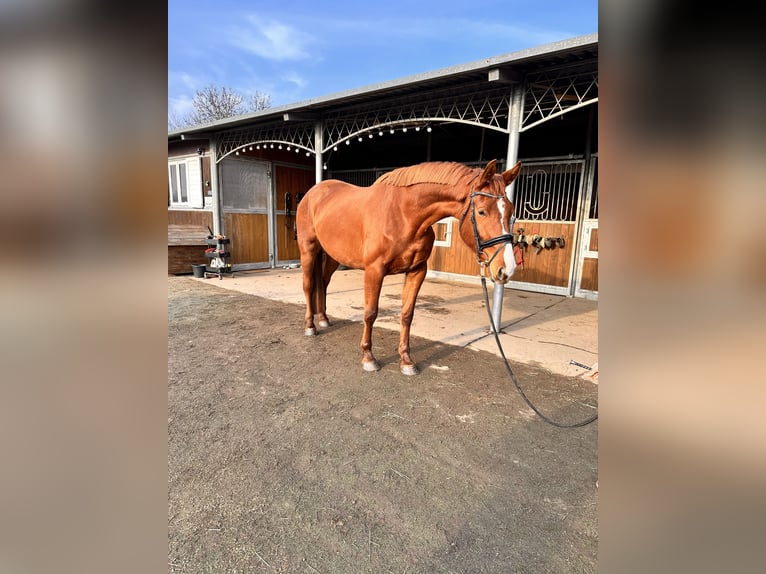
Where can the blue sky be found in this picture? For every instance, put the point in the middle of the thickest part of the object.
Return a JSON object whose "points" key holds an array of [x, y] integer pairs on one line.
{"points": [[298, 50]]}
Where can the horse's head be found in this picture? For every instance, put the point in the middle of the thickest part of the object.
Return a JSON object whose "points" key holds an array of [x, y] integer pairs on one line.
{"points": [[487, 222]]}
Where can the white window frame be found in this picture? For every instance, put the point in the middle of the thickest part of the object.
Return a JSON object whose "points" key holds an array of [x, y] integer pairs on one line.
{"points": [[447, 241], [193, 184], [174, 167]]}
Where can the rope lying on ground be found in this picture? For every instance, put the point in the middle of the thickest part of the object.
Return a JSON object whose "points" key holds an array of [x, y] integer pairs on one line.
{"points": [[513, 376]]}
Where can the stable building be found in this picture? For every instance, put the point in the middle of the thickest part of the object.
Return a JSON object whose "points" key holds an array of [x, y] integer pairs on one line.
{"points": [[244, 176]]}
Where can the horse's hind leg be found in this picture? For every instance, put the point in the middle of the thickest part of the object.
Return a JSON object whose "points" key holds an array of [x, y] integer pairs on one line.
{"points": [[373, 282], [412, 283], [328, 268], [310, 258]]}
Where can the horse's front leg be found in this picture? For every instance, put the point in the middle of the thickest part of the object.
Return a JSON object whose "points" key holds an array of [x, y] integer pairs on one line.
{"points": [[412, 282], [373, 282]]}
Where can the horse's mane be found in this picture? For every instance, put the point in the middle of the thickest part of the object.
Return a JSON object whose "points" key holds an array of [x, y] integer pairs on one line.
{"points": [[440, 172]]}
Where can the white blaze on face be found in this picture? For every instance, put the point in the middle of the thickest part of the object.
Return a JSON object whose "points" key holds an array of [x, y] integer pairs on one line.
{"points": [[509, 260]]}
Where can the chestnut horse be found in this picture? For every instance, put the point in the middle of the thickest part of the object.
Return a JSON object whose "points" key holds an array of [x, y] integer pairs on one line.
{"points": [[385, 229]]}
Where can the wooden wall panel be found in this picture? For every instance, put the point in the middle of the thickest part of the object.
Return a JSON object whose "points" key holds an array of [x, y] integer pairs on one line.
{"points": [[191, 217], [550, 266], [186, 147], [593, 240], [589, 278], [458, 258], [293, 180], [181, 257], [589, 275], [287, 245], [249, 237]]}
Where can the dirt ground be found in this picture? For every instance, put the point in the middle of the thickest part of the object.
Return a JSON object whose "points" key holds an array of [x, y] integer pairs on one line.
{"points": [[284, 456]]}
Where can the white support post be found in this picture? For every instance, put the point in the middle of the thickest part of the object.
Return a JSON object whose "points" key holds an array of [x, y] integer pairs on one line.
{"points": [[217, 215], [514, 125], [318, 145], [497, 305]]}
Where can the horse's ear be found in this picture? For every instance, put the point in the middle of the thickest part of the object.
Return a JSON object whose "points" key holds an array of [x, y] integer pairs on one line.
{"points": [[511, 174], [488, 173]]}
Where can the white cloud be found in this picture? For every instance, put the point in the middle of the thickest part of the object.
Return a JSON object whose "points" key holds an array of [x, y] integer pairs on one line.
{"points": [[271, 39], [439, 29], [520, 34], [294, 78], [179, 106], [181, 88], [184, 81]]}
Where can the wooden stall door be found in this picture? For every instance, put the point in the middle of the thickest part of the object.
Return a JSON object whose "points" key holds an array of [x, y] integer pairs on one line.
{"points": [[291, 183], [547, 200], [246, 193], [546, 267]]}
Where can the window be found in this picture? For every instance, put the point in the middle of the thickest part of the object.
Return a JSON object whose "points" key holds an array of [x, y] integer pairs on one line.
{"points": [[184, 182], [443, 231], [179, 189]]}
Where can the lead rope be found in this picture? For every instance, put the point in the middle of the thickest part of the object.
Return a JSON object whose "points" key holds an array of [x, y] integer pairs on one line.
{"points": [[513, 376], [482, 266]]}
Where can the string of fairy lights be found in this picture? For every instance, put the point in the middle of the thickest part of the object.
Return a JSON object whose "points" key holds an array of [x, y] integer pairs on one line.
{"points": [[282, 145]]}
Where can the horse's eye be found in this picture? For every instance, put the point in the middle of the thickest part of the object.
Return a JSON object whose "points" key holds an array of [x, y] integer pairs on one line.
{"points": [[482, 212]]}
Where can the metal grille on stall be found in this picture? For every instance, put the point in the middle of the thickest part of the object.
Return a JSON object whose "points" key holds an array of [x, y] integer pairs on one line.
{"points": [[547, 199], [360, 177]]}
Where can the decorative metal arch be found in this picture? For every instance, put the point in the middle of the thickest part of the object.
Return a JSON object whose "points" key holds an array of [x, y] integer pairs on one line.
{"points": [[266, 143], [417, 123], [556, 91], [295, 135], [487, 108], [549, 93]]}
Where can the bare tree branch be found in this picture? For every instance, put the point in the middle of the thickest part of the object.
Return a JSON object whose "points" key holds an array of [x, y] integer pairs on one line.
{"points": [[213, 103], [259, 101]]}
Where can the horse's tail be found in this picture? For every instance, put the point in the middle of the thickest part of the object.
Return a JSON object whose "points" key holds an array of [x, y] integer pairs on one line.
{"points": [[324, 267]]}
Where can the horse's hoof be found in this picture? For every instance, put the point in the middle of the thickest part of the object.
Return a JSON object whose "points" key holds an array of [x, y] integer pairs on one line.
{"points": [[310, 332], [324, 323], [410, 370], [371, 366]]}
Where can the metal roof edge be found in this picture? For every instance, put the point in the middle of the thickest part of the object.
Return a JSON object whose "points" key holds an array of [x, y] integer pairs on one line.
{"points": [[503, 59]]}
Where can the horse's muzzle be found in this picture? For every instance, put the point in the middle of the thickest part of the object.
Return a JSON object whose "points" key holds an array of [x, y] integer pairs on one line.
{"points": [[507, 266], [501, 277]]}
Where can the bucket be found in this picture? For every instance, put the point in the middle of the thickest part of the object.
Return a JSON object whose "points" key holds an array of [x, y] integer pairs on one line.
{"points": [[198, 270]]}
